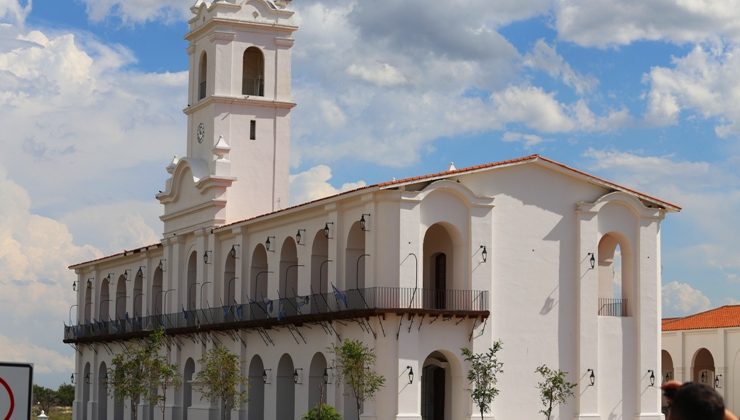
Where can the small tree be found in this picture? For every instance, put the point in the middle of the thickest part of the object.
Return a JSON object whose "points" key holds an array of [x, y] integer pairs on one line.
{"points": [[554, 389], [66, 395], [220, 378], [165, 375], [483, 375], [322, 412], [355, 364], [139, 372]]}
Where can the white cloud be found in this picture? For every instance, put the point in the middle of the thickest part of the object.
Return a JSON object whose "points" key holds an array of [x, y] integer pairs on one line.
{"points": [[682, 299], [13, 11], [546, 58], [36, 284], [66, 97], [528, 140], [45, 360], [705, 82], [603, 23], [379, 74], [138, 11], [313, 184]]}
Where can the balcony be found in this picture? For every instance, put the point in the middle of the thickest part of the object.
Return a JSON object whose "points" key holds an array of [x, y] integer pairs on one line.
{"points": [[356, 303], [613, 307]]}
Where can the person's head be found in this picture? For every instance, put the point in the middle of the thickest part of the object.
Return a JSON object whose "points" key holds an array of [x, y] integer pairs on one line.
{"points": [[694, 401]]}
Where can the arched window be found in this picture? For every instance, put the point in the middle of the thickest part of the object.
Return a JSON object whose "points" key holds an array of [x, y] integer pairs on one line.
{"points": [[437, 266], [319, 272], [285, 389], [259, 274], [86, 380], [191, 293], [138, 298], [702, 369], [256, 393], [104, 303], [288, 276], [253, 72], [202, 76], [615, 269], [121, 297], [157, 294], [103, 391], [230, 280], [88, 302]]}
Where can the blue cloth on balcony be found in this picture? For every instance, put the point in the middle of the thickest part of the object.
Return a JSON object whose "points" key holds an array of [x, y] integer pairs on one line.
{"points": [[339, 296], [239, 311]]}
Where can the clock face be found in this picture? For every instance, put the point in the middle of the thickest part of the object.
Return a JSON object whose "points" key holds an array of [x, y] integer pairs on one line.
{"points": [[201, 132]]}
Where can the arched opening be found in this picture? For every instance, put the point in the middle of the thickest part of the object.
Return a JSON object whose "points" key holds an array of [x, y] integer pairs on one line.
{"points": [[202, 76], [354, 267], [438, 267], [103, 391], [259, 275], [253, 72], [319, 272], [117, 406], [256, 402], [157, 293], [316, 381], [187, 387], [285, 405], [230, 280], [666, 366], [138, 299], [702, 369], [86, 391], [88, 303], [192, 271], [104, 305], [288, 277], [615, 275], [121, 298], [436, 394]]}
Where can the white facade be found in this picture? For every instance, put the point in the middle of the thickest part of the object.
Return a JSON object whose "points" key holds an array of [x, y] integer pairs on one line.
{"points": [[456, 259]]}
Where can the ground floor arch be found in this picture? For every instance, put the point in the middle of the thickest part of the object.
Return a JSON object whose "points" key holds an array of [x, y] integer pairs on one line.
{"points": [[285, 403], [436, 393], [103, 391], [666, 365], [317, 376], [256, 393], [702, 367], [187, 387]]}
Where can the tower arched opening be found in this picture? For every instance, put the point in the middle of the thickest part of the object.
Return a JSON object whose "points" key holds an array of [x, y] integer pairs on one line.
{"points": [[615, 265], [202, 76], [253, 72], [191, 283]]}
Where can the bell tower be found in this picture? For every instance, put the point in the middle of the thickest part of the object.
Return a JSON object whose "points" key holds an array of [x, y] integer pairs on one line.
{"points": [[238, 115]]}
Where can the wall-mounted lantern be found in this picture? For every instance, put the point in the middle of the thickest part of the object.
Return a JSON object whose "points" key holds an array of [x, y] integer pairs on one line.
{"points": [[232, 252], [484, 253], [297, 376], [363, 222], [268, 244], [716, 381], [327, 230], [652, 377], [163, 264], [266, 376], [299, 239], [591, 377], [591, 259], [207, 257]]}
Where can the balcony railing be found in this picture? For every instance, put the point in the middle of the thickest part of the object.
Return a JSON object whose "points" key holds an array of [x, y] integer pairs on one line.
{"points": [[300, 309], [613, 307], [201, 90]]}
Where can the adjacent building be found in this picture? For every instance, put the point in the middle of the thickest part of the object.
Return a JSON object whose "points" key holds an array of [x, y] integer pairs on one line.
{"points": [[562, 266]]}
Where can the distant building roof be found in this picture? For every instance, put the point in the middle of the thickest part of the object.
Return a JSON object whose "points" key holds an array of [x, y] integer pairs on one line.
{"points": [[727, 316]]}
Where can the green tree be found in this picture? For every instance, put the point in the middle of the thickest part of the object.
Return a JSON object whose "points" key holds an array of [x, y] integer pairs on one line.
{"points": [[66, 395], [164, 376], [322, 412], [554, 389], [483, 375], [220, 378], [140, 372], [44, 397], [355, 364]]}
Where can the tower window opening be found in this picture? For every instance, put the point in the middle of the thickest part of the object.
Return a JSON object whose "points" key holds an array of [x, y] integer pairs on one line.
{"points": [[202, 76], [253, 130], [253, 72]]}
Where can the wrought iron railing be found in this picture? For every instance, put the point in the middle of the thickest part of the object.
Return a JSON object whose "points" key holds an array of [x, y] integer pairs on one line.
{"points": [[265, 312], [613, 307]]}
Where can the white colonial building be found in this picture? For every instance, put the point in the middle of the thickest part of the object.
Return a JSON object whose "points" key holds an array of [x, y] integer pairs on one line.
{"points": [[705, 348], [522, 250]]}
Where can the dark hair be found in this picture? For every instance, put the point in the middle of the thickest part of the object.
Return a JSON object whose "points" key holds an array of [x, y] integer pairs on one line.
{"points": [[697, 402]]}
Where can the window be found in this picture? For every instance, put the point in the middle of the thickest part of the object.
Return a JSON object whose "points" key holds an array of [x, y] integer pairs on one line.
{"points": [[202, 76], [253, 130], [253, 72]]}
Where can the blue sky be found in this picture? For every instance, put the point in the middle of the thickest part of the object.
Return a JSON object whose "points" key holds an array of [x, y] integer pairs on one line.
{"points": [[643, 93]]}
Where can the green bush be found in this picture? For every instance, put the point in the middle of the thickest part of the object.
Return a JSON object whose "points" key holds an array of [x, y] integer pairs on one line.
{"points": [[322, 412]]}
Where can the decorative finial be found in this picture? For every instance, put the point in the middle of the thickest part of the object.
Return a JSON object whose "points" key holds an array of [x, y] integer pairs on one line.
{"points": [[452, 166]]}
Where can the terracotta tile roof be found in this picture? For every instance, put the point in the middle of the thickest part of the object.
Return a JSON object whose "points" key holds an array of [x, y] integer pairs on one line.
{"points": [[727, 316]]}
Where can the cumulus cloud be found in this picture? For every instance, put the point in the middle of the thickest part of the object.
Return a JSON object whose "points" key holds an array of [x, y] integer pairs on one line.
{"points": [[313, 184], [545, 57], [36, 284], [703, 82], [682, 299], [528, 140], [51, 86], [603, 23], [138, 11]]}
